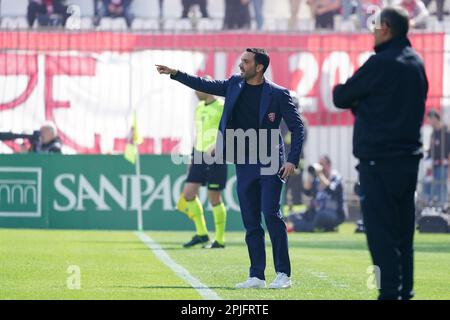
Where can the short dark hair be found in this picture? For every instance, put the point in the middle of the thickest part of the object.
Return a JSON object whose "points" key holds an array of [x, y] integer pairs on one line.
{"points": [[327, 159], [396, 18], [433, 114], [261, 57]]}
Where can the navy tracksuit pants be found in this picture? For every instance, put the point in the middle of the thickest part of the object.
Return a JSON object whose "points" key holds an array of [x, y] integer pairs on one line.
{"points": [[261, 193], [387, 202]]}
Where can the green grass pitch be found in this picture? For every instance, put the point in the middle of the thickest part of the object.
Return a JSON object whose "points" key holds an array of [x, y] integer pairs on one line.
{"points": [[117, 265]]}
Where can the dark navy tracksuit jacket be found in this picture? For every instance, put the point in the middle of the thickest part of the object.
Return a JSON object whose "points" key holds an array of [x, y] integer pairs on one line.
{"points": [[387, 97], [258, 192]]}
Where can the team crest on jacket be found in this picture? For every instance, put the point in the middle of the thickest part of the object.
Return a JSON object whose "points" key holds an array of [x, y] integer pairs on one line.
{"points": [[271, 116]]}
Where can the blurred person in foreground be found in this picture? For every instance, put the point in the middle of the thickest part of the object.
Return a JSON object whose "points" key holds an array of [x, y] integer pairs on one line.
{"points": [[387, 96]]}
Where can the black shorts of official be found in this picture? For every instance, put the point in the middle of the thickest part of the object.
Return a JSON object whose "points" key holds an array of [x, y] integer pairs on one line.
{"points": [[214, 176]]}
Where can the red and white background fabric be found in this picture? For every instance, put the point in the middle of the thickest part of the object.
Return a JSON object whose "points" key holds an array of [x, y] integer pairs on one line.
{"points": [[88, 83]]}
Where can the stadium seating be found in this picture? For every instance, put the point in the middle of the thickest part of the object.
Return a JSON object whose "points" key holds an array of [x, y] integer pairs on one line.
{"points": [[115, 24], [145, 24], [13, 8], [86, 7], [209, 24], [172, 8], [14, 23], [146, 12], [178, 25], [145, 8]]}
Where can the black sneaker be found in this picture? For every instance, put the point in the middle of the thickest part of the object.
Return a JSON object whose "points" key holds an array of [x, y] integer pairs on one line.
{"points": [[196, 240], [215, 245]]}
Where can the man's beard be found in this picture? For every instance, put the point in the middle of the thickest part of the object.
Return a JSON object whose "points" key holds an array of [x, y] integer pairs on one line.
{"points": [[247, 75]]}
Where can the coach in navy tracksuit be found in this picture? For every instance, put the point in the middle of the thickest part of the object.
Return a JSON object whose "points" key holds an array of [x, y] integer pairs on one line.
{"points": [[387, 96], [253, 103]]}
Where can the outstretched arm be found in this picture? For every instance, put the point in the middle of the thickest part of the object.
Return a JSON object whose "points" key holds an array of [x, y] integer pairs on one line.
{"points": [[215, 87]]}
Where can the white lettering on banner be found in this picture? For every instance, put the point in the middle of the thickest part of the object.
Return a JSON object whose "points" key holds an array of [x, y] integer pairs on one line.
{"points": [[162, 192], [93, 91], [363, 57], [76, 191], [87, 192], [146, 181], [119, 197], [336, 63], [20, 191], [306, 64], [65, 192]]}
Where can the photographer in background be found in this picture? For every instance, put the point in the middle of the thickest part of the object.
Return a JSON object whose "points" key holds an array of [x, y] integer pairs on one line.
{"points": [[326, 209], [49, 141], [439, 154]]}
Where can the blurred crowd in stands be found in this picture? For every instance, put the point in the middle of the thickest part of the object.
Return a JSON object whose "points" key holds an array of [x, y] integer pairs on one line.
{"points": [[203, 15]]}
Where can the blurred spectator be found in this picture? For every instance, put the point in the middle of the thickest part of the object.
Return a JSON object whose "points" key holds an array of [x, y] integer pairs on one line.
{"points": [[440, 156], [48, 12], [258, 7], [49, 141], [188, 4], [439, 8], [161, 9], [237, 14], [115, 9], [366, 9], [326, 209], [324, 12], [347, 8], [417, 12], [295, 7]]}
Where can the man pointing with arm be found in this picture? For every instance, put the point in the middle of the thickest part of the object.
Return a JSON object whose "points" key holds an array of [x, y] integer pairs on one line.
{"points": [[254, 105]]}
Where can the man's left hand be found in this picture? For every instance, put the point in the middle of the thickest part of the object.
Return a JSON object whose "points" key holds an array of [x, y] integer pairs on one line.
{"points": [[288, 169]]}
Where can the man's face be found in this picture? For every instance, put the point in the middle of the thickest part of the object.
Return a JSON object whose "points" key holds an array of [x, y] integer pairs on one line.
{"points": [[46, 135], [381, 34], [248, 65], [434, 122], [325, 165]]}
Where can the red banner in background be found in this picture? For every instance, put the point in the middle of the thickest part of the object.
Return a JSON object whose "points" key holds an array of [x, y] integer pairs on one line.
{"points": [[310, 64]]}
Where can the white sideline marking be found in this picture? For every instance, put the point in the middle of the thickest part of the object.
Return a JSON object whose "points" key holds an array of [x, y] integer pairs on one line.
{"points": [[181, 272]]}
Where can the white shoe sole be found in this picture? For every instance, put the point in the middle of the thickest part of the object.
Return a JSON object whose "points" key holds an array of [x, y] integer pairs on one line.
{"points": [[287, 286], [254, 287]]}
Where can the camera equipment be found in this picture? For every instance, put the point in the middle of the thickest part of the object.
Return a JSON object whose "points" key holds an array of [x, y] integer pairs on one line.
{"points": [[433, 220], [314, 168], [359, 223], [33, 138]]}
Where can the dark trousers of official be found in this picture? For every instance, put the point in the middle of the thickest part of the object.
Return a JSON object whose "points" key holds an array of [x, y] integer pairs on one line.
{"points": [[261, 193], [387, 203]]}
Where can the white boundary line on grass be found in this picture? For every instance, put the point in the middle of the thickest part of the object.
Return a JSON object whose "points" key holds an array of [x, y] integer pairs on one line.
{"points": [[181, 272]]}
